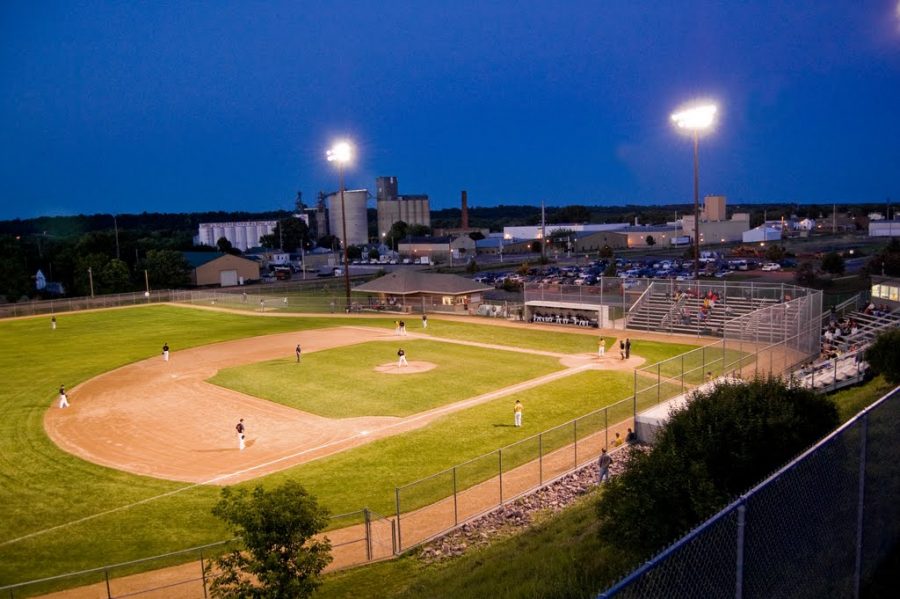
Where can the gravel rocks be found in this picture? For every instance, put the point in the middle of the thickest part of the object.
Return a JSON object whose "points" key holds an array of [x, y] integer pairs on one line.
{"points": [[514, 517]]}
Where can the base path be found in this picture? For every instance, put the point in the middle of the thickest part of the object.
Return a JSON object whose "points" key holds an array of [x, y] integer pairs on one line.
{"points": [[163, 419]]}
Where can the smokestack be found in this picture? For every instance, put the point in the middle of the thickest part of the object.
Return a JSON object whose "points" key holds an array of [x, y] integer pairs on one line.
{"points": [[465, 211]]}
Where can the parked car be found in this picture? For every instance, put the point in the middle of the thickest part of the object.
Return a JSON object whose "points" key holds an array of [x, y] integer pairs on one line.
{"points": [[771, 266]]}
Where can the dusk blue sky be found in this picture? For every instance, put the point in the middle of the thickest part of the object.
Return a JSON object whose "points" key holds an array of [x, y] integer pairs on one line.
{"points": [[124, 107]]}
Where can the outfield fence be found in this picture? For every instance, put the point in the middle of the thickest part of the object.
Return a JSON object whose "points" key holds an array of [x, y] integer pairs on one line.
{"points": [[356, 538], [74, 304], [816, 528]]}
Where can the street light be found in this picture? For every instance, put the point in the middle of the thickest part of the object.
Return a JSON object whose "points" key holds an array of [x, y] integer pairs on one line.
{"points": [[341, 152], [696, 119]]}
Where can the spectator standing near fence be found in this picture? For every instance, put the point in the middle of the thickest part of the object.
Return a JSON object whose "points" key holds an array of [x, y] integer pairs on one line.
{"points": [[631, 437], [622, 349], [603, 463], [627, 348], [517, 413]]}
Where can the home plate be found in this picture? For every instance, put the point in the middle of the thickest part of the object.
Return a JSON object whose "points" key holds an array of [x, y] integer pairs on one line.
{"points": [[413, 368]]}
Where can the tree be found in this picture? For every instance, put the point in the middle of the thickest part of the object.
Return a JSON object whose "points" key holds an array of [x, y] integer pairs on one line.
{"points": [[373, 254], [292, 233], [472, 267], [223, 245], [887, 261], [279, 557], [354, 252], [724, 442], [560, 237], [606, 252], [884, 355], [833, 263], [536, 246], [805, 275], [573, 214], [610, 269], [167, 269], [418, 231], [328, 241], [397, 232], [114, 277], [775, 253], [650, 241], [476, 235]]}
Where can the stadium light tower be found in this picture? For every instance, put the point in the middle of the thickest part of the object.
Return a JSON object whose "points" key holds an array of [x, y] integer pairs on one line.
{"points": [[341, 152], [695, 120]]}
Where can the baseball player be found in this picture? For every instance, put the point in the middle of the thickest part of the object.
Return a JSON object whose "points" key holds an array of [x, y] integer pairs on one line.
{"points": [[63, 398], [165, 352], [401, 355], [240, 433], [517, 413], [601, 347], [53, 323], [424, 321], [402, 328], [298, 352]]}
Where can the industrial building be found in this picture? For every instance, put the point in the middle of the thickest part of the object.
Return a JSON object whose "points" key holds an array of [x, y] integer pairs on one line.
{"points": [[714, 228], [357, 218], [242, 235], [884, 228], [225, 270], [761, 234], [392, 207]]}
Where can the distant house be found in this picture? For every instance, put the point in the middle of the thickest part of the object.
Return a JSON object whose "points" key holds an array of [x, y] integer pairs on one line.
{"points": [[226, 270], [411, 290]]}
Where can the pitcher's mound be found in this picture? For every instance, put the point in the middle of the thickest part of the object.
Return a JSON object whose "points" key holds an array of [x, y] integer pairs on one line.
{"points": [[413, 368]]}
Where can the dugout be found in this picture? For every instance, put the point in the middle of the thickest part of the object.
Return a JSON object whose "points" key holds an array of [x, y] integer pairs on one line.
{"points": [[569, 313]]}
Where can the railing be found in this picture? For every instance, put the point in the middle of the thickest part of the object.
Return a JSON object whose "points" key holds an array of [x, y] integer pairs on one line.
{"points": [[818, 527]]}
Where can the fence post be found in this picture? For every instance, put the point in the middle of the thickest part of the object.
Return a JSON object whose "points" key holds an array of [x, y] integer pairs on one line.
{"points": [[739, 560], [860, 508], [658, 382], [541, 458], [106, 575], [575, 441], [606, 427], [682, 374], [394, 537], [634, 406], [203, 575], [455, 505], [399, 537], [367, 522], [500, 468]]}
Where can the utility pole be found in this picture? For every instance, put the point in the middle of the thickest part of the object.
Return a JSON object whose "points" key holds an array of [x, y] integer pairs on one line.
{"points": [[543, 233], [91, 280], [116, 226]]}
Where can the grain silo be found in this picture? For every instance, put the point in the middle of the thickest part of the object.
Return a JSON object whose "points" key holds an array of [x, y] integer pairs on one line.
{"points": [[357, 218]]}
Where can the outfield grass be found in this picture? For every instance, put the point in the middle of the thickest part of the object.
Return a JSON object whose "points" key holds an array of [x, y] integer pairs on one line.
{"points": [[320, 383], [44, 487]]}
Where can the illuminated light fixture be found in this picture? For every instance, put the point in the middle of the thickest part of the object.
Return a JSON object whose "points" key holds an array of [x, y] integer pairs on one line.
{"points": [[342, 152], [695, 119]]}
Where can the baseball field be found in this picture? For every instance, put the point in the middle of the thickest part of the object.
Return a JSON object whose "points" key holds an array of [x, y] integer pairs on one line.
{"points": [[133, 467]]}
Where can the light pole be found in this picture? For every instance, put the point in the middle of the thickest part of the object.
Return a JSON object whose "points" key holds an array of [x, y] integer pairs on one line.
{"points": [[91, 280], [341, 152], [696, 119]]}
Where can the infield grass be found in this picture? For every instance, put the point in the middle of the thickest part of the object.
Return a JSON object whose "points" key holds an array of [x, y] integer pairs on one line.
{"points": [[44, 487], [343, 382]]}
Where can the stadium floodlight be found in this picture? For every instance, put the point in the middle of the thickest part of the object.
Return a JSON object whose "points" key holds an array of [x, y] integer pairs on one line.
{"points": [[696, 119], [342, 152]]}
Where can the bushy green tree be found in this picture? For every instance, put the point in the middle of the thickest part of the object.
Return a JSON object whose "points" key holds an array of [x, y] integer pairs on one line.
{"points": [[650, 241], [606, 252], [723, 443], [167, 269], [887, 261], [833, 263], [805, 275], [279, 557], [884, 355], [775, 253]]}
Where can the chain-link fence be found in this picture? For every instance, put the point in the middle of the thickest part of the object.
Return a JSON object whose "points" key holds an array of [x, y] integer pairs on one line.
{"points": [[816, 528], [356, 538], [74, 304], [432, 505]]}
